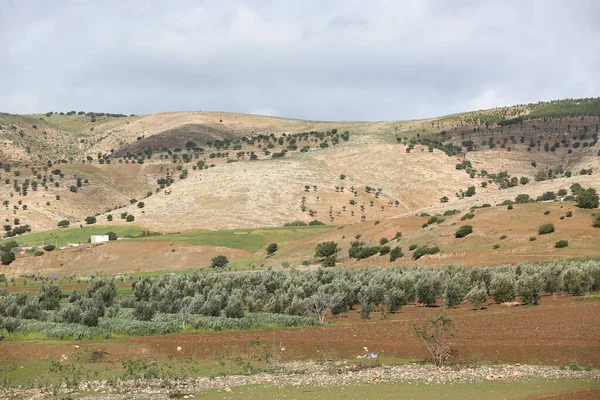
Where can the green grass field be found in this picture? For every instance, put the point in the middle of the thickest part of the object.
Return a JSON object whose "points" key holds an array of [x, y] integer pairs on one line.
{"points": [[399, 390], [244, 239], [75, 235]]}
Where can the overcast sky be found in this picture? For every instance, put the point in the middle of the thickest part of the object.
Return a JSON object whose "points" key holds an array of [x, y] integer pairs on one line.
{"points": [[332, 60]]}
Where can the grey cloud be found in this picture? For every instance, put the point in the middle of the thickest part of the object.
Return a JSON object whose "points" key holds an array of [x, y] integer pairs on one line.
{"points": [[307, 59]]}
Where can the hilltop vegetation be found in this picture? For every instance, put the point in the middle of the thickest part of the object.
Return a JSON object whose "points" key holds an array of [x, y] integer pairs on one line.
{"points": [[232, 171]]}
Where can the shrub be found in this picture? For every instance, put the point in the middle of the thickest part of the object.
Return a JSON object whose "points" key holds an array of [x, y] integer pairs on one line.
{"points": [[432, 220], [576, 281], [315, 223], [326, 249], [272, 248], [529, 289], [295, 223], [522, 198], [596, 222], [144, 311], [129, 218], [49, 247], [477, 296], [429, 289], [546, 212], [496, 246], [383, 250], [587, 198], [112, 235], [234, 308], [329, 261], [532, 239], [421, 251], [502, 287], [219, 262], [561, 243], [396, 253], [38, 253], [412, 247], [545, 229], [509, 207], [7, 257], [454, 293], [63, 224], [90, 220], [463, 231]]}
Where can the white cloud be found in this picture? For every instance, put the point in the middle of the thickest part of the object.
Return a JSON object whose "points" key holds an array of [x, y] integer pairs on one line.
{"points": [[311, 59]]}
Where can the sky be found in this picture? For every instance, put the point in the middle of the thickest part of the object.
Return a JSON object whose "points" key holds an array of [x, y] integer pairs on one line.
{"points": [[310, 59]]}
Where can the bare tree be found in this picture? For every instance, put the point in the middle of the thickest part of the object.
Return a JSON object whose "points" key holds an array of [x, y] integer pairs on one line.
{"points": [[436, 333], [320, 303]]}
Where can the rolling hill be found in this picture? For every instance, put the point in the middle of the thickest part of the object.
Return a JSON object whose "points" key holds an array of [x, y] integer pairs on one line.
{"points": [[181, 171]]}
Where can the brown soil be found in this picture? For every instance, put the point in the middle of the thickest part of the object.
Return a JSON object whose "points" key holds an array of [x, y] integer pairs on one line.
{"points": [[557, 332], [582, 394], [123, 257]]}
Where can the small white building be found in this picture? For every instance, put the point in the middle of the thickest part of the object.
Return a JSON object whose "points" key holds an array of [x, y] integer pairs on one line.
{"points": [[98, 238]]}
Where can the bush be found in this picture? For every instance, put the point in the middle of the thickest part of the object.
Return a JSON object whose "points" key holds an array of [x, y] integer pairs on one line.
{"points": [[529, 289], [111, 235], [272, 248], [545, 229], [561, 243], [396, 253], [587, 198], [219, 262], [234, 308], [383, 250], [295, 223], [90, 220], [49, 247], [144, 311], [463, 231], [477, 296], [130, 218], [454, 293], [38, 253], [329, 261], [522, 199], [502, 287], [429, 289], [576, 281], [412, 247], [596, 222], [326, 249], [421, 251], [63, 224]]}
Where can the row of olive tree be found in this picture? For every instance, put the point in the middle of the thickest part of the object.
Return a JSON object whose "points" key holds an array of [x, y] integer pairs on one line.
{"points": [[315, 293]]}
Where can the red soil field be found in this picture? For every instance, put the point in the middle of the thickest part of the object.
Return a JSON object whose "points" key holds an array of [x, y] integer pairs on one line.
{"points": [[556, 332]]}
